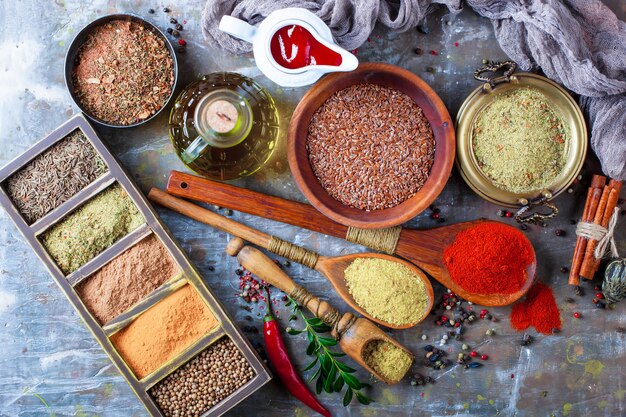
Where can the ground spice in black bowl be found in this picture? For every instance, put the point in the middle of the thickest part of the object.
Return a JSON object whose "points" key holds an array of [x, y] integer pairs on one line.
{"points": [[123, 73]]}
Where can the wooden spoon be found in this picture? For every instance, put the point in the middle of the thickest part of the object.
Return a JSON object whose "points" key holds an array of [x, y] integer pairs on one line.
{"points": [[331, 267], [423, 248], [352, 333]]}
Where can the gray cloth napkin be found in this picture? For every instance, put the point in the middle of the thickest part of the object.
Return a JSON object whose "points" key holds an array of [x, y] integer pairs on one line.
{"points": [[578, 43]]}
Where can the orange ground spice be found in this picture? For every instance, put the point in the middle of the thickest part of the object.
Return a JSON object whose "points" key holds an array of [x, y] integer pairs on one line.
{"points": [[164, 330]]}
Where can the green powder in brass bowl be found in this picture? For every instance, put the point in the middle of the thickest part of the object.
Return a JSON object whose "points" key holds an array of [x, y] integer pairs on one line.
{"points": [[92, 228], [387, 359], [520, 142], [387, 290]]}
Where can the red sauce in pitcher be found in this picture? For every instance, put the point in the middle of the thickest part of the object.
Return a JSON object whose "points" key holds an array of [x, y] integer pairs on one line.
{"points": [[294, 47]]}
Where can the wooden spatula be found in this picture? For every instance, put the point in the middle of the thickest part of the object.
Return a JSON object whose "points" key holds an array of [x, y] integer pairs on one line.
{"points": [[424, 248], [331, 267]]}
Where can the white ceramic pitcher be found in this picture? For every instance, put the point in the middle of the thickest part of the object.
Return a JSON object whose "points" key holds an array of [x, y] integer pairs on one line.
{"points": [[261, 37]]}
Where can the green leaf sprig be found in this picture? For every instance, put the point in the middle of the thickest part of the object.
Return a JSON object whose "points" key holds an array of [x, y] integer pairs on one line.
{"points": [[332, 374]]}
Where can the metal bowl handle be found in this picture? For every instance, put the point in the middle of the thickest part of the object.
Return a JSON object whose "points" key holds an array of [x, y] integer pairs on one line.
{"points": [[536, 217], [488, 72]]}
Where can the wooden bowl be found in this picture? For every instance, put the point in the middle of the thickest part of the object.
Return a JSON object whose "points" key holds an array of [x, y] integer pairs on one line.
{"points": [[389, 76]]}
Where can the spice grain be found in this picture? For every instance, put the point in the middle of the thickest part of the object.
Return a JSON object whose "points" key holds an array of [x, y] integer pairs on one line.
{"points": [[55, 176], [197, 386], [370, 147]]}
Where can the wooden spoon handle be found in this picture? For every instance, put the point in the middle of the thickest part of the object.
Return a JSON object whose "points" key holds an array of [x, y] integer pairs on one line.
{"points": [[274, 208], [262, 266], [208, 217]]}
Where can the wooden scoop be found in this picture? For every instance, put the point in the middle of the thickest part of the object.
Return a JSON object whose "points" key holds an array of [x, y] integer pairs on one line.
{"points": [[331, 267], [423, 248], [352, 333]]}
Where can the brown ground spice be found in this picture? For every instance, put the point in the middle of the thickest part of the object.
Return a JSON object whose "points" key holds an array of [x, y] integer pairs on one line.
{"points": [[123, 73], [127, 279], [387, 359], [164, 330]]}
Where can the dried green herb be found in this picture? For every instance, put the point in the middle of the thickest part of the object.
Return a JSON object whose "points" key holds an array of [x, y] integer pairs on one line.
{"points": [[520, 141], [332, 374], [92, 228], [387, 290]]}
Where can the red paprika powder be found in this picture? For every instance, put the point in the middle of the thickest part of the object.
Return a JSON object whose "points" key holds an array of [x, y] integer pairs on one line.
{"points": [[489, 258], [539, 310]]}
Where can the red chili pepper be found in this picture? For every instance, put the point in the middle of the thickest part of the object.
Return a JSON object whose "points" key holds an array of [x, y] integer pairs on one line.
{"points": [[278, 357]]}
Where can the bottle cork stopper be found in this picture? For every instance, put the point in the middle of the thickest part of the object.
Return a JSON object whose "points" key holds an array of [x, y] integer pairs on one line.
{"points": [[221, 116]]}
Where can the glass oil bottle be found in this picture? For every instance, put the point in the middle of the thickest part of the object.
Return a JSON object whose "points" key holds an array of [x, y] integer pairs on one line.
{"points": [[224, 126]]}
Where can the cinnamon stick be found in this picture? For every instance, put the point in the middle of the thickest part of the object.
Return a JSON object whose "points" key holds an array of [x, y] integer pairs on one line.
{"points": [[591, 204], [590, 264]]}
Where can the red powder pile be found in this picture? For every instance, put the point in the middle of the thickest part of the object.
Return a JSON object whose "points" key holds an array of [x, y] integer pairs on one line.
{"points": [[538, 310], [489, 258]]}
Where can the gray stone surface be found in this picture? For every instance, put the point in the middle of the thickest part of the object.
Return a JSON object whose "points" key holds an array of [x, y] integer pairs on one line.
{"points": [[50, 365]]}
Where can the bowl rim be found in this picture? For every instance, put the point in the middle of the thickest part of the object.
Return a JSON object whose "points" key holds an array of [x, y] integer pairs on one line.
{"points": [[70, 58], [445, 148], [562, 102]]}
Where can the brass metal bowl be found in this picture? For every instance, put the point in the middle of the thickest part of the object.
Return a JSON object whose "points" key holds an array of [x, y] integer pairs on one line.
{"points": [[562, 103]]}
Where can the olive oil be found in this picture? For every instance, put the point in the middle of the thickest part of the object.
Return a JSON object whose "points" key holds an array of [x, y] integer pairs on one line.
{"points": [[224, 126]]}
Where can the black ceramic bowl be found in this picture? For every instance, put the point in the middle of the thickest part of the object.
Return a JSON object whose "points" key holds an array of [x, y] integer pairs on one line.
{"points": [[70, 59]]}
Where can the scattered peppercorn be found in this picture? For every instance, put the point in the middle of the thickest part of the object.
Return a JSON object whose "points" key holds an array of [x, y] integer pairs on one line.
{"points": [[211, 268], [176, 34], [577, 315], [173, 21], [473, 353], [600, 295], [527, 340], [484, 357], [564, 269], [430, 69], [559, 232], [229, 212], [578, 290], [485, 61], [573, 222], [523, 227], [418, 51], [501, 213], [166, 10], [508, 214], [601, 304], [169, 30], [423, 29], [151, 11], [179, 27], [435, 216]]}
